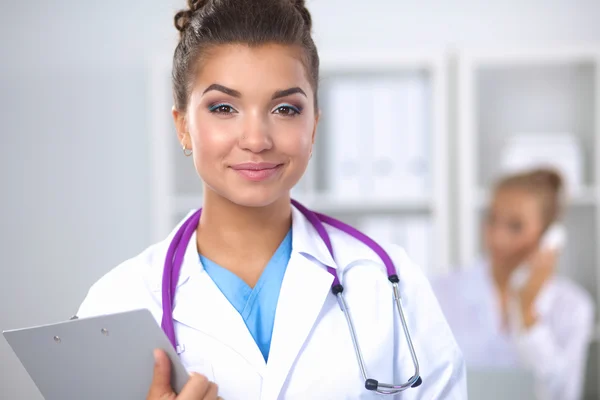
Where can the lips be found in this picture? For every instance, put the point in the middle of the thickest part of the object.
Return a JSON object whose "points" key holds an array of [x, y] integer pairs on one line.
{"points": [[254, 166], [257, 171]]}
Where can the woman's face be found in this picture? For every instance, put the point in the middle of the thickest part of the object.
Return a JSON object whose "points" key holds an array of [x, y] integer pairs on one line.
{"points": [[250, 122], [514, 226]]}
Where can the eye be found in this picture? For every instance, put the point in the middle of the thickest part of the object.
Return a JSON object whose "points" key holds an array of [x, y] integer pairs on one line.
{"points": [[515, 227], [221, 108], [287, 110]]}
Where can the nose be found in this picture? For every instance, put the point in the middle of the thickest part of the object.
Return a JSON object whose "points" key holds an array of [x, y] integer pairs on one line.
{"points": [[256, 136], [501, 242]]}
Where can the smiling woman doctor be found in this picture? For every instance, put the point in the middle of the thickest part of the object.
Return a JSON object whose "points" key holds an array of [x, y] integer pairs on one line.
{"points": [[256, 305]]}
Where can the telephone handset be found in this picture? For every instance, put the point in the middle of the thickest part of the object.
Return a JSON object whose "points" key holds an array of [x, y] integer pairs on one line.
{"points": [[553, 239]]}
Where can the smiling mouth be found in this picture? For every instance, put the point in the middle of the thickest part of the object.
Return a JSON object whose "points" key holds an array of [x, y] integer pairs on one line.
{"points": [[257, 172]]}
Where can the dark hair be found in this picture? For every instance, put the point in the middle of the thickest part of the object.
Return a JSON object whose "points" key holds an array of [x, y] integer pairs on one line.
{"points": [[209, 23], [545, 183]]}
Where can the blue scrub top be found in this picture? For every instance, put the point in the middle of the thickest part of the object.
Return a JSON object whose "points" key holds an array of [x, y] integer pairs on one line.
{"points": [[256, 306]]}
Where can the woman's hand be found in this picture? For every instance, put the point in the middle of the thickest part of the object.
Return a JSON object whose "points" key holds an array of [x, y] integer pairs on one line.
{"points": [[198, 386], [541, 267]]}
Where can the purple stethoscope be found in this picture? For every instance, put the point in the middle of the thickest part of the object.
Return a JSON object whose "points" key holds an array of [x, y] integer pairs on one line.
{"points": [[177, 249]]}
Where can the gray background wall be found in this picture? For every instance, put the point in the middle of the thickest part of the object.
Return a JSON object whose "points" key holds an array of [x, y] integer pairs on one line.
{"points": [[74, 162]]}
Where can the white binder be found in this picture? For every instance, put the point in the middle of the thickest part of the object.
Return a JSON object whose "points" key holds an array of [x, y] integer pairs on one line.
{"points": [[347, 166], [416, 139], [389, 108]]}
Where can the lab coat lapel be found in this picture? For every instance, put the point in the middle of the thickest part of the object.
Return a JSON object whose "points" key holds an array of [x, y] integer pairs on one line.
{"points": [[305, 287], [200, 305]]}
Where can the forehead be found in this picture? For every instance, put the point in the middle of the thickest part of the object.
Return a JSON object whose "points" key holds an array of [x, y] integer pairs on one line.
{"points": [[516, 202], [245, 68]]}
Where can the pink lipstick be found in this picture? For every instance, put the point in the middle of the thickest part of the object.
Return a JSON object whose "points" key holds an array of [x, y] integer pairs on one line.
{"points": [[257, 171]]}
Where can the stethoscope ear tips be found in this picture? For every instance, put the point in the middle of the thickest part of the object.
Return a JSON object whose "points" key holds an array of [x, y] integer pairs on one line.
{"points": [[417, 383]]}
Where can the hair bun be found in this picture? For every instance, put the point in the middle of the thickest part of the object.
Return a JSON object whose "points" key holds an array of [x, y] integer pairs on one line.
{"points": [[549, 177], [301, 7], [183, 17], [195, 5]]}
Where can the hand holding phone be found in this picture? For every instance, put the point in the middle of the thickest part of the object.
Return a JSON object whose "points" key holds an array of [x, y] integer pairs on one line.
{"points": [[528, 279], [552, 241]]}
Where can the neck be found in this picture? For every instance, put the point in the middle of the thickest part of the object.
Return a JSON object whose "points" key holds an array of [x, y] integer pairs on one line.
{"points": [[228, 231], [501, 275]]}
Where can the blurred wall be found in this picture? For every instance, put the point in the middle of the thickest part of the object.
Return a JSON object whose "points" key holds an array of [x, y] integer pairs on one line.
{"points": [[74, 154]]}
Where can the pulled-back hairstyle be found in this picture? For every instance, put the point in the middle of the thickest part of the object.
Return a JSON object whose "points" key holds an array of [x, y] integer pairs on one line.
{"points": [[206, 24], [546, 184]]}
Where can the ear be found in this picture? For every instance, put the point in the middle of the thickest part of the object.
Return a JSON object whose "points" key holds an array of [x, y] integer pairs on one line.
{"points": [[183, 134]]}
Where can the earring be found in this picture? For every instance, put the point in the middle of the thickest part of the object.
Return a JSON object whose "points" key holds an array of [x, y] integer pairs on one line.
{"points": [[187, 152]]}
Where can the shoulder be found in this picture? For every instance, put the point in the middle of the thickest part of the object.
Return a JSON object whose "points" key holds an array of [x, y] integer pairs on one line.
{"points": [[575, 300], [123, 288]]}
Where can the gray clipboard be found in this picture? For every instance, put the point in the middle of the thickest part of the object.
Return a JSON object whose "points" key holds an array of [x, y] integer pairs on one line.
{"points": [[104, 357]]}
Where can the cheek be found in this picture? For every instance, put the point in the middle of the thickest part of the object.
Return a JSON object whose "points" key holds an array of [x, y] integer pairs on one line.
{"points": [[504, 242], [520, 245], [294, 139], [211, 139], [529, 241]]}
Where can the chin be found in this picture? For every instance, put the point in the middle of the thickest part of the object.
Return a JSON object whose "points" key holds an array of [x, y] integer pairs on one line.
{"points": [[257, 198]]}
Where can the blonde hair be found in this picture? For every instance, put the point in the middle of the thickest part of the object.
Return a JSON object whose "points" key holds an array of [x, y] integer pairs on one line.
{"points": [[546, 184]]}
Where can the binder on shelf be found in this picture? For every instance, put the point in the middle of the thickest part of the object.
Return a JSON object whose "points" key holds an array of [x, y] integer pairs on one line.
{"points": [[378, 137], [388, 107], [401, 137], [347, 164], [416, 138]]}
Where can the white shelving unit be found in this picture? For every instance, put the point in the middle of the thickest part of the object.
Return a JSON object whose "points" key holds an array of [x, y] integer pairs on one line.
{"points": [[177, 189], [502, 92]]}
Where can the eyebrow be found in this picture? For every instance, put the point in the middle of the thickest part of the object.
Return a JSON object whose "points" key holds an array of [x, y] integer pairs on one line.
{"points": [[282, 93], [221, 88], [234, 93]]}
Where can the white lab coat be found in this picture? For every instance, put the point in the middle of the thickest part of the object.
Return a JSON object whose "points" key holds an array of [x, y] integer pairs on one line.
{"points": [[311, 354], [555, 349]]}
